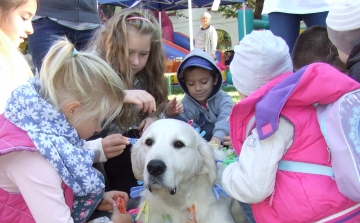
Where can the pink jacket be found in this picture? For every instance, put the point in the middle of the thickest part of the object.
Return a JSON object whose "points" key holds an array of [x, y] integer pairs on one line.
{"points": [[298, 197], [14, 139]]}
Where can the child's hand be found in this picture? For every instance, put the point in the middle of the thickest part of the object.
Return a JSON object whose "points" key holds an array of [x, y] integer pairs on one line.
{"points": [[174, 107], [117, 217], [114, 145], [142, 99], [145, 124], [110, 198], [227, 142], [216, 141]]}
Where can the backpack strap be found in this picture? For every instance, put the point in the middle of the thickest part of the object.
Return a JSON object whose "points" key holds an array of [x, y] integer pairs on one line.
{"points": [[302, 167], [298, 167], [250, 126]]}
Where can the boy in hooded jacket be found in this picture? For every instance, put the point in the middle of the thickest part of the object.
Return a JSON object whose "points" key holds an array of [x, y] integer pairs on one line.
{"points": [[206, 106]]}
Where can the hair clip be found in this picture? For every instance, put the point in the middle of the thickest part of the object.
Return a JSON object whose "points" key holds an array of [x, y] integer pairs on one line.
{"points": [[136, 191], [138, 18], [217, 189], [74, 52], [132, 141], [144, 209], [140, 183], [121, 205]]}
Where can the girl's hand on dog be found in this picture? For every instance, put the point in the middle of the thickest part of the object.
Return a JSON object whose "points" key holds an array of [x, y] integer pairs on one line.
{"points": [[114, 145], [142, 99], [145, 124], [110, 198]]}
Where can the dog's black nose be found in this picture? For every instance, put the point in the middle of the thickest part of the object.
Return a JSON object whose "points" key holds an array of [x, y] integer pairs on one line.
{"points": [[156, 167]]}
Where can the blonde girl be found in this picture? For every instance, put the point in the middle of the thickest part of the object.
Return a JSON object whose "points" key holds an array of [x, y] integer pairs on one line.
{"points": [[15, 26], [43, 165]]}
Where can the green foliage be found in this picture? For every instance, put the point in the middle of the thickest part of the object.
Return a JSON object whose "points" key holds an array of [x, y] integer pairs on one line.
{"points": [[224, 41], [231, 11]]}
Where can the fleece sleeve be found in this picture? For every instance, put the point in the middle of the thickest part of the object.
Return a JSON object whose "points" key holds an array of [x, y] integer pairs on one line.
{"points": [[96, 146], [252, 179], [39, 183], [222, 126]]}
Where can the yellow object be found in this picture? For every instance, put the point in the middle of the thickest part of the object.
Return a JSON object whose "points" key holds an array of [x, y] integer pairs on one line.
{"points": [[23, 46], [170, 79], [174, 79], [214, 145], [144, 208], [223, 74]]}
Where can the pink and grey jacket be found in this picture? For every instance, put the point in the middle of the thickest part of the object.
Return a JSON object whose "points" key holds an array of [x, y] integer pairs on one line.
{"points": [[297, 197], [12, 206]]}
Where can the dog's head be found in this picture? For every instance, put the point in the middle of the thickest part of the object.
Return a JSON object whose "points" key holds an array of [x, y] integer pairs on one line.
{"points": [[169, 153]]}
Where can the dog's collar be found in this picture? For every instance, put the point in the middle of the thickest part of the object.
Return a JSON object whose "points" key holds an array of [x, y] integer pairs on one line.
{"points": [[191, 218]]}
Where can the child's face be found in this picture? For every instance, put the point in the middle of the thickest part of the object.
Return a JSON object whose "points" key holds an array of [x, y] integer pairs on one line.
{"points": [[17, 24], [199, 83], [88, 128], [139, 49]]}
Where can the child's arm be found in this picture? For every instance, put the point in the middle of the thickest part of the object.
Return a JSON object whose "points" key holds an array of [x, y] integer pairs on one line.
{"points": [[222, 126], [108, 147], [252, 178], [40, 185]]}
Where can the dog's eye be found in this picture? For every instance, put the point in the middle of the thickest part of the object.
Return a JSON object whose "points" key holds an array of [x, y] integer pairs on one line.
{"points": [[178, 144], [149, 142]]}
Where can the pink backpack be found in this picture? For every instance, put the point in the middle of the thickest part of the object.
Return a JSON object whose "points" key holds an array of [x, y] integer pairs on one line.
{"points": [[340, 125]]}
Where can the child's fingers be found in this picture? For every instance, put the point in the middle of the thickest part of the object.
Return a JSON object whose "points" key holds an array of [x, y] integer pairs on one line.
{"points": [[141, 126], [226, 138]]}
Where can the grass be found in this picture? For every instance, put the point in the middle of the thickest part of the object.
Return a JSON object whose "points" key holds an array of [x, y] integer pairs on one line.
{"points": [[179, 94]]}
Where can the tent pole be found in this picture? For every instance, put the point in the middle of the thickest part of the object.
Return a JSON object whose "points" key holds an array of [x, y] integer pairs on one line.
{"points": [[190, 26], [160, 22], [243, 8]]}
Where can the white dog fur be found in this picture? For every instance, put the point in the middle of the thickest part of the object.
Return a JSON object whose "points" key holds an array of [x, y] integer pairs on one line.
{"points": [[183, 164]]}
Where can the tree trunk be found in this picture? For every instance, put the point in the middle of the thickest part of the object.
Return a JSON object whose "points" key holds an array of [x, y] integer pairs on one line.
{"points": [[258, 9]]}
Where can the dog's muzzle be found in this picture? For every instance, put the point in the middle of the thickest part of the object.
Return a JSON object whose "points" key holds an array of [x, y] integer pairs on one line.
{"points": [[156, 167]]}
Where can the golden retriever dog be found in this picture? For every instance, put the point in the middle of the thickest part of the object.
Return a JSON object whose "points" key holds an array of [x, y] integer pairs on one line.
{"points": [[179, 171]]}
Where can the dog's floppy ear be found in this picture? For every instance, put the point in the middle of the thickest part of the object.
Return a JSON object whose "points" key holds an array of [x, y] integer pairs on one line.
{"points": [[138, 157], [208, 166]]}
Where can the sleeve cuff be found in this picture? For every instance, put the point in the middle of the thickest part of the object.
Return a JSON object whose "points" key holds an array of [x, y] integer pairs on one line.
{"points": [[96, 146]]}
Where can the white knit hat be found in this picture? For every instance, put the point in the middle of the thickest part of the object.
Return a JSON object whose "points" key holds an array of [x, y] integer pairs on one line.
{"points": [[343, 24], [259, 58], [344, 15]]}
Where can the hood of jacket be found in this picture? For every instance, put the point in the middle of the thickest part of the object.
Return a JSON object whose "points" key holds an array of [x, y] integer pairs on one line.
{"points": [[203, 55]]}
